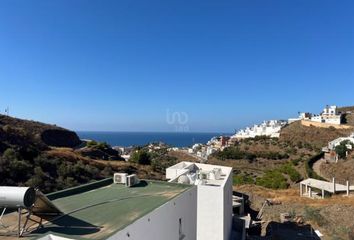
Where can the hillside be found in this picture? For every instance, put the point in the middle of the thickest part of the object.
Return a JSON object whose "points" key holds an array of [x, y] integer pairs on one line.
{"points": [[342, 170], [332, 216], [277, 163], [24, 134], [314, 136], [265, 161], [52, 158], [346, 109], [348, 114]]}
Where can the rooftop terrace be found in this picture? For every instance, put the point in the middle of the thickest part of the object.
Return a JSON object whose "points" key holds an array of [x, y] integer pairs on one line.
{"points": [[174, 173], [97, 211]]}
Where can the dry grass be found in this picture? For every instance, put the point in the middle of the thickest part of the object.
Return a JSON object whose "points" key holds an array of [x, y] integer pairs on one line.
{"points": [[348, 117], [291, 196], [317, 137], [342, 171], [336, 212], [183, 156], [345, 109]]}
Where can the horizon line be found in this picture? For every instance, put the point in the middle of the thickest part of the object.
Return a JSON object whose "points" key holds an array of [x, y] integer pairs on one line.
{"points": [[118, 131]]}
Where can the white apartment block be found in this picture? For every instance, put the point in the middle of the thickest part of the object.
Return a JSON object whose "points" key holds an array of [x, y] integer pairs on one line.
{"points": [[267, 128]]}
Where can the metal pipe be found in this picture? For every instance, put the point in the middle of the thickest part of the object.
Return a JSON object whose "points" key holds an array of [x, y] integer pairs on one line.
{"points": [[19, 222]]}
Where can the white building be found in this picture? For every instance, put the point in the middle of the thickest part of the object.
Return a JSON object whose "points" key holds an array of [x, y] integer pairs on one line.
{"points": [[195, 204], [197, 146], [329, 151], [210, 150], [332, 144], [267, 128], [302, 116], [329, 115], [214, 197], [149, 210]]}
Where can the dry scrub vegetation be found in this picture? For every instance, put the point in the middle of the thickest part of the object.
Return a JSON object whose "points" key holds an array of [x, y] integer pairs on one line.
{"points": [[332, 216], [317, 137]]}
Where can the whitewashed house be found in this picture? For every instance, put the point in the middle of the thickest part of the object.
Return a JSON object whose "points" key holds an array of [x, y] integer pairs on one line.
{"points": [[267, 128], [338, 141], [329, 151], [329, 115]]}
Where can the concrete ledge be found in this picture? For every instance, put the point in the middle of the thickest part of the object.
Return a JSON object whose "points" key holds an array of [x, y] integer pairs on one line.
{"points": [[79, 189]]}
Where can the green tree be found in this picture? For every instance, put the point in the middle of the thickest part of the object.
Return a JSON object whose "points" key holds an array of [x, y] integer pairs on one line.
{"points": [[91, 143], [160, 163], [342, 149], [97, 145], [10, 155], [38, 179], [141, 157]]}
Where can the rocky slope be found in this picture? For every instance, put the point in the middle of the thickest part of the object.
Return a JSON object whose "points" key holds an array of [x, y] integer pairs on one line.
{"points": [[348, 114], [52, 158], [19, 133]]}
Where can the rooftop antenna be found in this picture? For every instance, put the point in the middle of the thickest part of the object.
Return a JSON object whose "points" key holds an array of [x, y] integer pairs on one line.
{"points": [[7, 111]]}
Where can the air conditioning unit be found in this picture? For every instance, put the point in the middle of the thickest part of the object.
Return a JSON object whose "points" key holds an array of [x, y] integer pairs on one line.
{"points": [[132, 180], [120, 178]]}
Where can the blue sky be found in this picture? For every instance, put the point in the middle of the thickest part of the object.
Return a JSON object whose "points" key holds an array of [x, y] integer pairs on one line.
{"points": [[123, 65]]}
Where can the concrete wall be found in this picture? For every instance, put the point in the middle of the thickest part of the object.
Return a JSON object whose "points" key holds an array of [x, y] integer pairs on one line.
{"points": [[215, 211], [164, 222], [323, 125], [176, 170], [228, 208], [210, 213], [333, 120]]}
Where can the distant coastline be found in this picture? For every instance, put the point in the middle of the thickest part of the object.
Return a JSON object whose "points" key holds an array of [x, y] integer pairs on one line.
{"points": [[175, 139]]}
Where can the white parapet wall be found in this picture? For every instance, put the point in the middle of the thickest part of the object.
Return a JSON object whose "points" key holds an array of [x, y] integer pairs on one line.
{"points": [[174, 220]]}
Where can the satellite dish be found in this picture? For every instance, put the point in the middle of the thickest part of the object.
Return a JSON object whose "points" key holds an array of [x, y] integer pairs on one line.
{"points": [[183, 179]]}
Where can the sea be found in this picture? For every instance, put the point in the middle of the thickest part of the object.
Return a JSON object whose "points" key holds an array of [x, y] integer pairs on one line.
{"points": [[175, 139]]}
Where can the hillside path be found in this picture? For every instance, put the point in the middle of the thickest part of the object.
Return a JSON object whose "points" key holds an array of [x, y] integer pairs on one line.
{"points": [[317, 168]]}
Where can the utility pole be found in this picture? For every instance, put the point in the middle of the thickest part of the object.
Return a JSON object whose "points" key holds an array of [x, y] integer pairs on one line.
{"points": [[7, 111]]}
